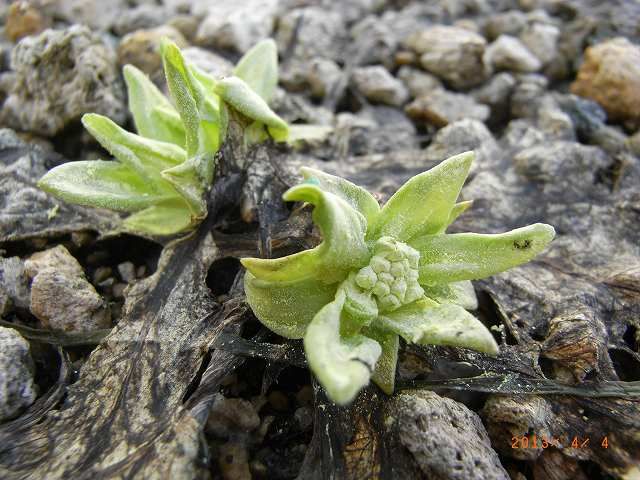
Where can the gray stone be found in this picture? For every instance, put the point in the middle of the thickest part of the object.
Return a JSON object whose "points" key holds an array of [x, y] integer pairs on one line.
{"points": [[355, 10], [496, 93], [589, 123], [379, 86], [445, 438], [509, 53], [230, 417], [441, 107], [505, 23], [527, 95], [453, 54], [96, 14], [142, 17], [411, 19], [237, 26], [462, 136], [323, 76], [541, 40], [208, 62], [545, 162], [59, 75], [372, 42], [373, 130], [319, 32], [61, 298], [418, 82], [14, 288], [127, 271], [553, 121], [17, 390], [297, 108], [521, 134], [587, 116]]}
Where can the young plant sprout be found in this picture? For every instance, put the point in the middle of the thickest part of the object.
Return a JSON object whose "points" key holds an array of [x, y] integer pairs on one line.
{"points": [[160, 175], [383, 273]]}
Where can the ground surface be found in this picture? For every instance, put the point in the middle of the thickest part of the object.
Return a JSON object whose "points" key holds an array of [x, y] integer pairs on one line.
{"points": [[142, 359]]}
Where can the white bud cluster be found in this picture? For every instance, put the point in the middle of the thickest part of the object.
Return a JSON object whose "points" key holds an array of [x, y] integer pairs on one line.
{"points": [[392, 274]]}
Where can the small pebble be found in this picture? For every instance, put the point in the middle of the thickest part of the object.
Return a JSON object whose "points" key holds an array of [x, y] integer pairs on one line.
{"points": [[127, 271]]}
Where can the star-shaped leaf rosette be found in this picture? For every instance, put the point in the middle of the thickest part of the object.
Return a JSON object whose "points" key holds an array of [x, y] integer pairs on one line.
{"points": [[383, 273]]}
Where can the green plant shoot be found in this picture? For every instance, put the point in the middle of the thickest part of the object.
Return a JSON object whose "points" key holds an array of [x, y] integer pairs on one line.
{"points": [[383, 273], [160, 175]]}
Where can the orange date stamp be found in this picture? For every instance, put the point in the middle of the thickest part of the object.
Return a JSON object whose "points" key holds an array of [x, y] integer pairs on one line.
{"points": [[536, 441]]}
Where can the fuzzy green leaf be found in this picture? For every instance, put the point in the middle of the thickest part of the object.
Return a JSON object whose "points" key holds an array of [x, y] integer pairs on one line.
{"points": [[96, 183], [385, 373], [343, 247], [458, 209], [153, 114], [356, 196], [287, 307], [166, 218], [423, 204], [240, 96], [428, 322], [460, 293], [199, 112], [190, 179], [342, 365], [148, 157], [470, 256], [259, 68]]}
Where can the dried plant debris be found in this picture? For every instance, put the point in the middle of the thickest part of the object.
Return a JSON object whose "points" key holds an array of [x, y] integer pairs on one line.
{"points": [[26, 212], [187, 383], [169, 321]]}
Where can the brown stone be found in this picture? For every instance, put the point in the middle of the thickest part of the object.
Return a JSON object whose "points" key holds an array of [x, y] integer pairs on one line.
{"points": [[441, 107], [610, 75], [24, 19], [453, 54], [142, 48]]}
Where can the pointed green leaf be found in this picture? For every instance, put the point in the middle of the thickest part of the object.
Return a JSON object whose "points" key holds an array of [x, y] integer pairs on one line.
{"points": [[259, 68], [166, 218], [385, 373], [153, 114], [308, 133], [460, 293], [190, 179], [470, 256], [343, 247], [423, 204], [199, 112], [240, 96], [342, 365], [356, 196], [458, 209], [428, 322], [148, 157], [287, 307], [96, 183]]}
